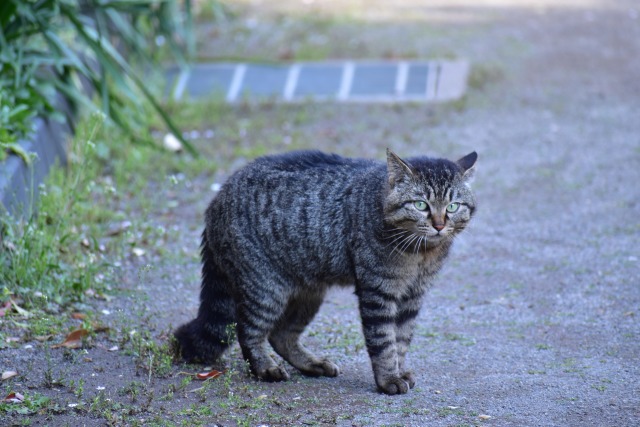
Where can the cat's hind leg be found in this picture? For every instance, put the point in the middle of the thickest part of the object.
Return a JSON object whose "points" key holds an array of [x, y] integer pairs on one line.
{"points": [[259, 307], [285, 337]]}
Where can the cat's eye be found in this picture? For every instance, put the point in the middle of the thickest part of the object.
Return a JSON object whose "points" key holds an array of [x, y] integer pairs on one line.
{"points": [[420, 205], [453, 207]]}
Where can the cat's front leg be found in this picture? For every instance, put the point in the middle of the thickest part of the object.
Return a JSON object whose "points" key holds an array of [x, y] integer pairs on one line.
{"points": [[379, 312], [408, 308]]}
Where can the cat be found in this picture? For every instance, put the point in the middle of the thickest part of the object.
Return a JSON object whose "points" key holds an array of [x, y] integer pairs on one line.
{"points": [[285, 228]]}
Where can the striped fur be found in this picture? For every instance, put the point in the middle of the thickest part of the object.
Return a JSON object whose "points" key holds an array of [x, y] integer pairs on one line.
{"points": [[286, 227]]}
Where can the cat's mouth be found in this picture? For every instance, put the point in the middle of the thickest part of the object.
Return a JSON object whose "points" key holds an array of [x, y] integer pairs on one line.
{"points": [[432, 233]]}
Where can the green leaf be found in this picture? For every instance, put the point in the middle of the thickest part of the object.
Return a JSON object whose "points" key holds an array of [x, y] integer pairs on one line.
{"points": [[16, 149]]}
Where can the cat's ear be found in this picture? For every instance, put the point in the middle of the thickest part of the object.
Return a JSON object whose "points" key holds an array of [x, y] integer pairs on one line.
{"points": [[397, 169], [468, 163]]}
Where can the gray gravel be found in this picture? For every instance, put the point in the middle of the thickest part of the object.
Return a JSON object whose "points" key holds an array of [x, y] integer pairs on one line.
{"points": [[534, 320]]}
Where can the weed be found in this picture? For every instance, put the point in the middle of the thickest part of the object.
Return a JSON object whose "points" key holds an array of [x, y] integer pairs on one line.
{"points": [[450, 410], [77, 387], [156, 359], [41, 328], [32, 404], [482, 75], [459, 338], [133, 390]]}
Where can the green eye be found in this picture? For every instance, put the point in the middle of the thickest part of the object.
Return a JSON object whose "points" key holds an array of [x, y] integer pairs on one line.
{"points": [[453, 207], [420, 205]]}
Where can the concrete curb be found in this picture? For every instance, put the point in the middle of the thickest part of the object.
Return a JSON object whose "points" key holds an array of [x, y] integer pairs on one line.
{"points": [[363, 81], [19, 182]]}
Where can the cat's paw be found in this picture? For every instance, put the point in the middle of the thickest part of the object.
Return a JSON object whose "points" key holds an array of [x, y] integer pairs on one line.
{"points": [[274, 374], [393, 385], [409, 378], [323, 368]]}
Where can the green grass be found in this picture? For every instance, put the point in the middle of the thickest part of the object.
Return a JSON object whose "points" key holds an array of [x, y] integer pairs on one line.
{"points": [[68, 252], [67, 249], [51, 258]]}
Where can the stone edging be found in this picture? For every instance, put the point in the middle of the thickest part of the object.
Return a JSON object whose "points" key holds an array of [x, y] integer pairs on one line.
{"points": [[19, 182]]}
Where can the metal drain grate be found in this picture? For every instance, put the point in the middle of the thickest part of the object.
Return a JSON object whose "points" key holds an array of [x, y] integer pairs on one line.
{"points": [[348, 81]]}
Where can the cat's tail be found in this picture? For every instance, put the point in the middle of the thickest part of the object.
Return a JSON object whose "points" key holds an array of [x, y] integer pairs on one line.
{"points": [[206, 337]]}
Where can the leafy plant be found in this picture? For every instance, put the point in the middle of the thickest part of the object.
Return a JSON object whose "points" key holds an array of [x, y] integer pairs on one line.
{"points": [[77, 48], [29, 404]]}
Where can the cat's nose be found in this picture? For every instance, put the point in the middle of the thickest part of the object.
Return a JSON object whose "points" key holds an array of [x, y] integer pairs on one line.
{"points": [[438, 226]]}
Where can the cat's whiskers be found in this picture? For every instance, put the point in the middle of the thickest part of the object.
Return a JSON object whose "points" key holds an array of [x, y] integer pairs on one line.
{"points": [[395, 232], [400, 237], [417, 246], [405, 244], [400, 244]]}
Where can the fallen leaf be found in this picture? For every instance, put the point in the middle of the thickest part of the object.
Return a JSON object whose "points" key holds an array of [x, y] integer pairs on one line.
{"points": [[8, 374], [207, 375], [43, 338], [114, 348], [73, 340], [78, 316], [14, 398], [12, 339], [484, 417]]}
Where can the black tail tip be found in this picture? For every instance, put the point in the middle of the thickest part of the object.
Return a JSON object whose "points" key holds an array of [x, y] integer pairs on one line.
{"points": [[185, 338], [193, 345]]}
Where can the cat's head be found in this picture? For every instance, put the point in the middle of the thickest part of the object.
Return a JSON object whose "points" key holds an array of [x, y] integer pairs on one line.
{"points": [[428, 200]]}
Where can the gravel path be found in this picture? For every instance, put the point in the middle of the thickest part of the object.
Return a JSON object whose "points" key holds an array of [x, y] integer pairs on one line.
{"points": [[534, 320]]}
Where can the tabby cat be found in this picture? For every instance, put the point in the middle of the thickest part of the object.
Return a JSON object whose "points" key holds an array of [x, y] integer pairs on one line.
{"points": [[287, 227]]}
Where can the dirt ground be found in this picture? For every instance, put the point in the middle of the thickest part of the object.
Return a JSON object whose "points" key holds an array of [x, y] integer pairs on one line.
{"points": [[534, 319]]}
